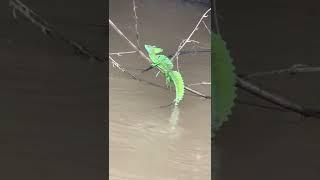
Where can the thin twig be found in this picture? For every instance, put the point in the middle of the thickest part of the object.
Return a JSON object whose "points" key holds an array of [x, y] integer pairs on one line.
{"points": [[215, 16], [296, 68], [193, 51], [280, 109], [130, 43], [181, 53], [178, 64], [197, 93], [206, 27], [189, 37], [177, 57], [276, 99], [121, 53], [48, 30], [201, 83], [136, 25], [115, 64]]}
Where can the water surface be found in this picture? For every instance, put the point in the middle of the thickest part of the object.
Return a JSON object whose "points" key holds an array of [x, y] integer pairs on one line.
{"points": [[147, 141]]}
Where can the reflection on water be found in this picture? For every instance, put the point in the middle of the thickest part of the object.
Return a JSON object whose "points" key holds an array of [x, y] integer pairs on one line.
{"points": [[174, 117], [146, 140]]}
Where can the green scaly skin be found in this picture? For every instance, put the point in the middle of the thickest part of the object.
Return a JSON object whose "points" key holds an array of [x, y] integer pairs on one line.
{"points": [[165, 65], [177, 80]]}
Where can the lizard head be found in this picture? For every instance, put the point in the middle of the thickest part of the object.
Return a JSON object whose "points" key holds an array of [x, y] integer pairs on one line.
{"points": [[152, 49]]}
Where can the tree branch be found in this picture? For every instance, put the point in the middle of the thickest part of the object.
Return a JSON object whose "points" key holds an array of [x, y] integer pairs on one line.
{"points": [[146, 58], [115, 64], [184, 42], [182, 53], [121, 53], [275, 99], [215, 16], [206, 27], [48, 30], [130, 43], [296, 68], [241, 83], [136, 24], [201, 83]]}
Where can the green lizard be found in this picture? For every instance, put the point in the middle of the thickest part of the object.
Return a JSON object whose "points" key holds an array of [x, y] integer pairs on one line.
{"points": [[165, 65]]}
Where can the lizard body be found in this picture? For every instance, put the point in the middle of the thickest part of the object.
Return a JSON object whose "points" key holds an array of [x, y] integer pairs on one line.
{"points": [[165, 65]]}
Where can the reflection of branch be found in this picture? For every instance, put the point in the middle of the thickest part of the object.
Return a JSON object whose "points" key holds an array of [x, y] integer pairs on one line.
{"points": [[275, 99], [145, 57], [188, 39], [296, 68], [47, 30]]}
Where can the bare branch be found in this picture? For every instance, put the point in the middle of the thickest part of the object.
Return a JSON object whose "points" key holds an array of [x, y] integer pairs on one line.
{"points": [[189, 37], [47, 30], [201, 83], [193, 41], [136, 25], [177, 57], [145, 57], [197, 93], [115, 64], [193, 51], [130, 43], [296, 68], [206, 27], [276, 99], [121, 53], [178, 64], [215, 16]]}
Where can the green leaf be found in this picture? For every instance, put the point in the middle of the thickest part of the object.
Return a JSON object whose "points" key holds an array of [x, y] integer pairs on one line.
{"points": [[223, 82]]}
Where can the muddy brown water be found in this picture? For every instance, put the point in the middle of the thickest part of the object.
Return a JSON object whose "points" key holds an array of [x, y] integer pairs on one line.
{"points": [[146, 141]]}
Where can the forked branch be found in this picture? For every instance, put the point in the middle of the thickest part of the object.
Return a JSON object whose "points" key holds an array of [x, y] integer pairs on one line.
{"points": [[146, 58], [184, 42]]}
